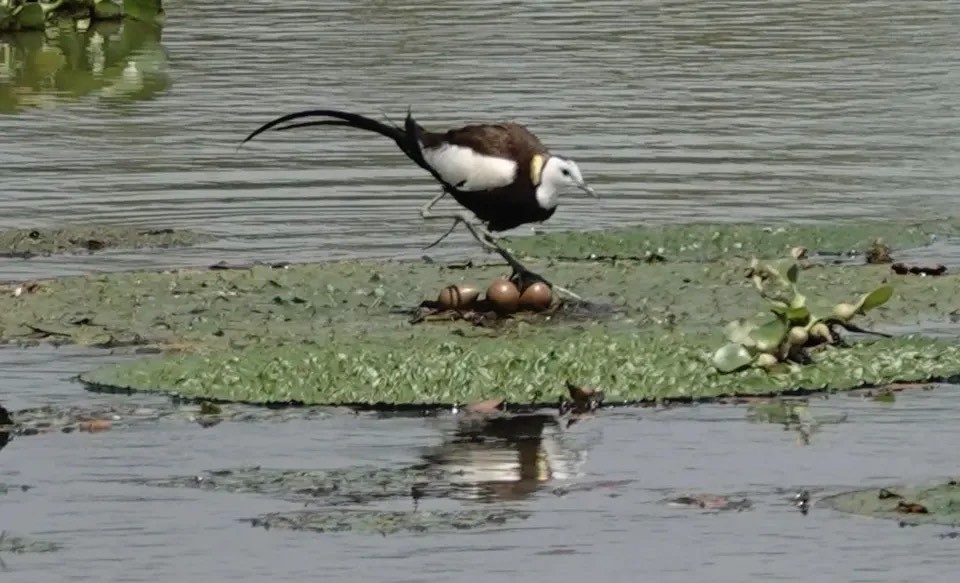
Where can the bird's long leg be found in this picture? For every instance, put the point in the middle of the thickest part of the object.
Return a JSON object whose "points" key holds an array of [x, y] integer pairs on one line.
{"points": [[489, 242]]}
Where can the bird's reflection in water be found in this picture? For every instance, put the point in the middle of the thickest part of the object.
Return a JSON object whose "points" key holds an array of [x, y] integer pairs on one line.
{"points": [[504, 456]]}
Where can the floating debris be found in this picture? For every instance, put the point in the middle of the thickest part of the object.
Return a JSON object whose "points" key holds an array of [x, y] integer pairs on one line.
{"points": [[902, 269], [878, 252]]}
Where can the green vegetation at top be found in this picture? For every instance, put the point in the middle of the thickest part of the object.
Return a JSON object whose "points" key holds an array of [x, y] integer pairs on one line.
{"points": [[22, 15], [90, 238], [708, 241], [115, 60]]}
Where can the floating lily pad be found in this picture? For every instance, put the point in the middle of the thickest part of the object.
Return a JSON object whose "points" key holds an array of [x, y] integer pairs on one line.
{"points": [[389, 522], [628, 367], [709, 241], [92, 238], [930, 504]]}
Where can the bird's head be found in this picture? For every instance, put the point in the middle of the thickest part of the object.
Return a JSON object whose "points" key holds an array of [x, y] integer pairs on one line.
{"points": [[560, 172]]}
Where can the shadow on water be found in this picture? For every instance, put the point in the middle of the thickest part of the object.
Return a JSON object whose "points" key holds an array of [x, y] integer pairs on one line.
{"points": [[116, 61]]}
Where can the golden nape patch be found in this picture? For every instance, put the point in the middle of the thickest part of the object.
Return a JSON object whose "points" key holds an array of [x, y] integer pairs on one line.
{"points": [[536, 167]]}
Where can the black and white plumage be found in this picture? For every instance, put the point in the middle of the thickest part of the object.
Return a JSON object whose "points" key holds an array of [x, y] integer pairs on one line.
{"points": [[502, 173]]}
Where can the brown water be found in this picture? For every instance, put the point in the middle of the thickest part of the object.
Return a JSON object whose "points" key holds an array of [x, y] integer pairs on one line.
{"points": [[720, 110]]}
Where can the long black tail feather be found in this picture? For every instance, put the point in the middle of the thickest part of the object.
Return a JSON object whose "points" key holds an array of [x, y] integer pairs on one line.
{"points": [[407, 139], [346, 119]]}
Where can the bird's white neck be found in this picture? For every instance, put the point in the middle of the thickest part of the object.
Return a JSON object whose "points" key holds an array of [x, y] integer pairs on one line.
{"points": [[547, 195]]}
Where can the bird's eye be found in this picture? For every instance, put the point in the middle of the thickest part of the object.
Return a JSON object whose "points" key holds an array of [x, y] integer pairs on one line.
{"points": [[565, 172]]}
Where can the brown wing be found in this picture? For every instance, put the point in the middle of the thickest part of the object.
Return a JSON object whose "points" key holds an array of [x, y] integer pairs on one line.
{"points": [[510, 139]]}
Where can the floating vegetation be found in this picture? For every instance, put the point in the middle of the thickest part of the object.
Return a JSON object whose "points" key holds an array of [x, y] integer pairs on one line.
{"points": [[96, 418], [190, 309], [710, 503], [27, 15], [708, 241], [356, 485], [26, 243], [389, 522], [115, 61], [7, 488], [627, 367], [930, 504], [18, 544], [793, 329]]}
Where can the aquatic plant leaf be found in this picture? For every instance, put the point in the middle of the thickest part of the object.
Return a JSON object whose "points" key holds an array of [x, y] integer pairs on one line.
{"points": [[731, 357], [769, 336], [793, 273], [738, 331], [874, 299]]}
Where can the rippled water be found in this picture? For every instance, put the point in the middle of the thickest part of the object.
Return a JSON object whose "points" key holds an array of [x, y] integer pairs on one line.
{"points": [[718, 110], [676, 110], [616, 527]]}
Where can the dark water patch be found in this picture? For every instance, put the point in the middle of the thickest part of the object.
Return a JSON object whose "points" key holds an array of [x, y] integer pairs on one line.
{"points": [[27, 243]]}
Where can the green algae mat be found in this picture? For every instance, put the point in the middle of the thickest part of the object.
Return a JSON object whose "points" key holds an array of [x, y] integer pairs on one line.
{"points": [[26, 243], [342, 332], [710, 241], [629, 368]]}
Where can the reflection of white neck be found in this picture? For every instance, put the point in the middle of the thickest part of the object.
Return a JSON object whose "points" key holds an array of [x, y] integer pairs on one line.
{"points": [[547, 195]]}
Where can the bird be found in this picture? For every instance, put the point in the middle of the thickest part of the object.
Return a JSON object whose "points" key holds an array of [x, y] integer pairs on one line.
{"points": [[500, 172]]}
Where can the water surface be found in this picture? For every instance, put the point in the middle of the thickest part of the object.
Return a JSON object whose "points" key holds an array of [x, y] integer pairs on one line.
{"points": [[677, 110], [719, 110]]}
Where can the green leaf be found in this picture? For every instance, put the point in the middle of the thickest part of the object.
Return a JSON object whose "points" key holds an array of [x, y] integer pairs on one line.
{"points": [[793, 272], [731, 357], [876, 298], [738, 331], [769, 336]]}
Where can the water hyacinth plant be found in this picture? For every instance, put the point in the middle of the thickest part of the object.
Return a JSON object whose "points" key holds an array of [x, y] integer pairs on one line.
{"points": [[782, 341]]}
